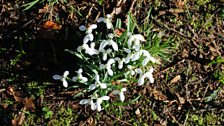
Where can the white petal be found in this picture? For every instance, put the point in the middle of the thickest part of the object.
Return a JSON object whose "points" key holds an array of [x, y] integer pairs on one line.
{"points": [[84, 79], [97, 78], [79, 71], [104, 56], [85, 39], [141, 80], [110, 72], [91, 37], [82, 28], [109, 25], [103, 85], [98, 106], [136, 56], [92, 87], [130, 41], [110, 35], [103, 44], [93, 26], [84, 102], [138, 70], [109, 16], [66, 73], [115, 46], [139, 37], [64, 82], [145, 61], [110, 61], [105, 98], [122, 97], [79, 49], [100, 19], [128, 58], [57, 77], [93, 105]]}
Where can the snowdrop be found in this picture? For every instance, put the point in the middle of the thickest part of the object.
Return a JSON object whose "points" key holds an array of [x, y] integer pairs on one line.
{"points": [[136, 55], [90, 50], [120, 93], [79, 77], [97, 83], [106, 20], [89, 36], [108, 66], [136, 39], [105, 53], [148, 58], [120, 62], [110, 41], [62, 78], [146, 75], [97, 104], [129, 56]]}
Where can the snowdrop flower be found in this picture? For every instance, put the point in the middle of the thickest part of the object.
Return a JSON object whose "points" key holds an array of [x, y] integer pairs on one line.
{"points": [[136, 55], [105, 53], [148, 58], [111, 42], [146, 75], [99, 102], [131, 70], [79, 77], [121, 93], [89, 36], [94, 106], [129, 56], [108, 66], [106, 20], [120, 62], [62, 78], [97, 83], [136, 39], [90, 50], [88, 102]]}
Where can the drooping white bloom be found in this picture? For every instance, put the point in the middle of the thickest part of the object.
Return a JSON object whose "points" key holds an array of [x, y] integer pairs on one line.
{"points": [[97, 105], [106, 20], [146, 75], [131, 70], [129, 56], [148, 58], [90, 50], [136, 39], [62, 78], [120, 62], [110, 41], [79, 77], [136, 55], [97, 83], [89, 36], [108, 66], [99, 102], [105, 53], [120, 93]]}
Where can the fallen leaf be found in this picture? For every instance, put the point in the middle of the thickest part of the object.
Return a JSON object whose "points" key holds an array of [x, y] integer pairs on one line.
{"points": [[158, 95], [51, 25], [19, 119], [175, 79]]}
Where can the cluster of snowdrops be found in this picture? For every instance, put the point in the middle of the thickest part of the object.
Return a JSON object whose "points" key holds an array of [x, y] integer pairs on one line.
{"points": [[105, 58]]}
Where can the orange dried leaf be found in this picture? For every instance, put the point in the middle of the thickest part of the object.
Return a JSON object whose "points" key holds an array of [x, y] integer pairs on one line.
{"points": [[51, 25]]}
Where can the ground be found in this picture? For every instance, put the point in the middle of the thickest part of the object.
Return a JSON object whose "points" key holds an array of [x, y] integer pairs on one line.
{"points": [[189, 82]]}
